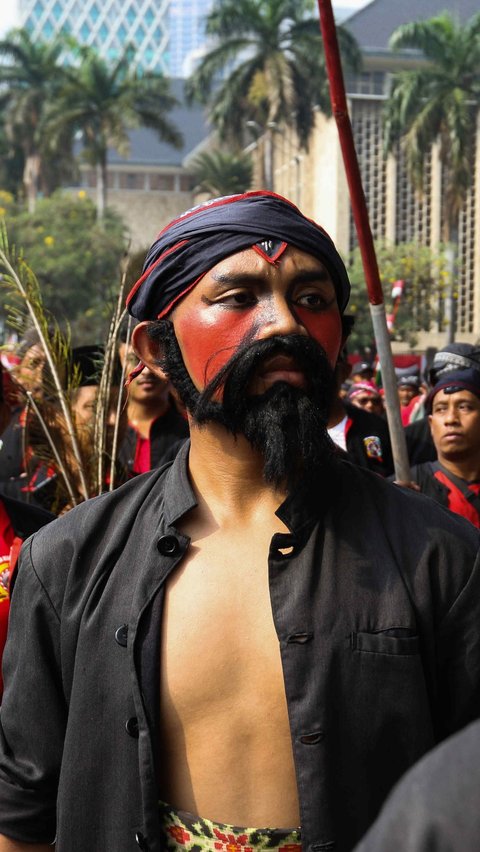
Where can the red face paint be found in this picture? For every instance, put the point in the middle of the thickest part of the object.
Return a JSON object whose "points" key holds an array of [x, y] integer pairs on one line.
{"points": [[261, 300], [325, 328], [208, 338]]}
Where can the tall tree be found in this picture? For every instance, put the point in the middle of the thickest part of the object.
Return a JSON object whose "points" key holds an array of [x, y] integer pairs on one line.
{"points": [[438, 102], [222, 172], [103, 101], [31, 76], [266, 65]]}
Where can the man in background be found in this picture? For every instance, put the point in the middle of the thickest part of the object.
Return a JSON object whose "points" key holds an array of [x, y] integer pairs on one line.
{"points": [[454, 418], [156, 429], [357, 429]]}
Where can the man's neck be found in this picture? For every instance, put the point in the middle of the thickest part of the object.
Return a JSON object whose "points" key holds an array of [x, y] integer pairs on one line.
{"points": [[467, 469], [141, 415], [227, 476]]}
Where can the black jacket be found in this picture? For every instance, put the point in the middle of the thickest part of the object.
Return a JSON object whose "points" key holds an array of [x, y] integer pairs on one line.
{"points": [[435, 808], [420, 446], [376, 601], [25, 519], [361, 444]]}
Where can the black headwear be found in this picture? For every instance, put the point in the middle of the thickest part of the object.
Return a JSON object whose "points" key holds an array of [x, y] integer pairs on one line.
{"points": [[192, 244], [455, 381]]}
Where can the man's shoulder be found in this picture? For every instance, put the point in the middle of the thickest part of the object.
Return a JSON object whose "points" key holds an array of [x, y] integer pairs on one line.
{"points": [[107, 514]]}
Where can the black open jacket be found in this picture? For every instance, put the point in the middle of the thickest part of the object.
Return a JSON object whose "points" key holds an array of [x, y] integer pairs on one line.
{"points": [[375, 595]]}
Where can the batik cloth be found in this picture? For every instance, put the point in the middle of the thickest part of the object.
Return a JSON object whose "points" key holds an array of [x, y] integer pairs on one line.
{"points": [[185, 832]]}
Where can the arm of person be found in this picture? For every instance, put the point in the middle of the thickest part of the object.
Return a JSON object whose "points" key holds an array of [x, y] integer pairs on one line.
{"points": [[32, 716], [7, 845]]}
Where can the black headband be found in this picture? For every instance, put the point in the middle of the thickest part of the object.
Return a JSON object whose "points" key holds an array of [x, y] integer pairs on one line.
{"points": [[192, 244]]}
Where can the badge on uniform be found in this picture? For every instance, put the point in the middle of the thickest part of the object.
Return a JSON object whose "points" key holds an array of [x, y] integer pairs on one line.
{"points": [[373, 447]]}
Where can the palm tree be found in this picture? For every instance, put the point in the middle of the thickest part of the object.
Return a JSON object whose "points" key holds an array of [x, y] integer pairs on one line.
{"points": [[102, 102], [438, 101], [266, 65], [221, 173], [31, 76]]}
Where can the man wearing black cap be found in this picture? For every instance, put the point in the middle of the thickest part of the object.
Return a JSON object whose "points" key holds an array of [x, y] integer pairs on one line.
{"points": [[450, 359], [362, 371], [454, 479], [247, 648]]}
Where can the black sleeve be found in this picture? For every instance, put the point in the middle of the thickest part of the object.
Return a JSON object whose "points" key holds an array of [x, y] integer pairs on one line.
{"points": [[32, 722]]}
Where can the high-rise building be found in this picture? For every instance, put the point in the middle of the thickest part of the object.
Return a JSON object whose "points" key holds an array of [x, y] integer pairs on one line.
{"points": [[107, 25], [186, 24]]}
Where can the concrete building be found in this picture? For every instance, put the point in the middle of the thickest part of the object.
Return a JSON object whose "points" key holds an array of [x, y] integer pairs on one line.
{"points": [[316, 179]]}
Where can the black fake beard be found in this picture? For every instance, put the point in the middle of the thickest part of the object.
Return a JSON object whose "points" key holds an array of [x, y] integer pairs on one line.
{"points": [[286, 424]]}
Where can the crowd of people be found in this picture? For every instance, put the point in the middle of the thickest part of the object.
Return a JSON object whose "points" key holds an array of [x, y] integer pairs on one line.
{"points": [[247, 642]]}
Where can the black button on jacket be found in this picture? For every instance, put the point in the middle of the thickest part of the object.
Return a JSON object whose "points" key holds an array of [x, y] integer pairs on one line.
{"points": [[376, 601]]}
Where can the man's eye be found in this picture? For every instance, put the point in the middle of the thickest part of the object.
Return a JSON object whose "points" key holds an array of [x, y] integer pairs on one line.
{"points": [[314, 301], [239, 299]]}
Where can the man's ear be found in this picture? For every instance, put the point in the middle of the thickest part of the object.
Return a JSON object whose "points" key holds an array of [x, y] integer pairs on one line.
{"points": [[148, 350]]}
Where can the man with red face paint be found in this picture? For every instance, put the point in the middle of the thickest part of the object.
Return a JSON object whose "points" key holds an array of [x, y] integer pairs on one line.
{"points": [[247, 647]]}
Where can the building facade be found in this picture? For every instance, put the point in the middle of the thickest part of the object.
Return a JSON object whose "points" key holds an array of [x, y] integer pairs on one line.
{"points": [[107, 25], [186, 25], [316, 179]]}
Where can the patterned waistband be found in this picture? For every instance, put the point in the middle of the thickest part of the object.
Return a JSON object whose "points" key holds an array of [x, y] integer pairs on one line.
{"points": [[185, 832]]}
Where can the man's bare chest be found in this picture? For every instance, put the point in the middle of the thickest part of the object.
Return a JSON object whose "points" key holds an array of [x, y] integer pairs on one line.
{"points": [[219, 644]]}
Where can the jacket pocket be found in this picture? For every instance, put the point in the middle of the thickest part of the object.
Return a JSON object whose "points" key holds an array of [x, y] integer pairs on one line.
{"points": [[385, 643]]}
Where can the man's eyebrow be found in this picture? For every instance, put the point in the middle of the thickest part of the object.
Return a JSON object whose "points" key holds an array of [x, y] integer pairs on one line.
{"points": [[305, 276]]}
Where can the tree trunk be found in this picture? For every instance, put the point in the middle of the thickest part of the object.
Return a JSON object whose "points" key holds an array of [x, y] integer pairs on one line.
{"points": [[30, 179], [101, 188]]}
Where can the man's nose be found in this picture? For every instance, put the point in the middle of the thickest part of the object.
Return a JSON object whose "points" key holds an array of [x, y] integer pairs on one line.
{"points": [[279, 318], [451, 415]]}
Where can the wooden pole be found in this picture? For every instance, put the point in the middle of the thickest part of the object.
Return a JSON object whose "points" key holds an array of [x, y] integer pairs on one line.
{"points": [[365, 239]]}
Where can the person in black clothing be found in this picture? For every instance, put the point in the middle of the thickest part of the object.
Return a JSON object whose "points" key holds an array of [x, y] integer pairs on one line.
{"points": [[17, 522], [450, 359], [454, 478], [434, 808], [260, 633], [363, 435], [156, 429]]}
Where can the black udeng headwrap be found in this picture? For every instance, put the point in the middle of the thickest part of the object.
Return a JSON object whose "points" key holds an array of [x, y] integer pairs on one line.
{"points": [[192, 244]]}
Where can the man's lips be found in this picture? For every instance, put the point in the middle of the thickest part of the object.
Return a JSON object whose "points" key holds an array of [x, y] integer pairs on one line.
{"points": [[282, 368]]}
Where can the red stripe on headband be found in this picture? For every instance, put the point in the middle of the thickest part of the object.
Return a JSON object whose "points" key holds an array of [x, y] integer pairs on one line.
{"points": [[152, 267], [232, 199], [179, 296]]}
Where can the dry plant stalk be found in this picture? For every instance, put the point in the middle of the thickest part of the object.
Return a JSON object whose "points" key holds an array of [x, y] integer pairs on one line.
{"points": [[104, 396], [24, 285]]}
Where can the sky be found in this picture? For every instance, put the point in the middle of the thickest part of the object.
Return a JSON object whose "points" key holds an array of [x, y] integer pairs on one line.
{"points": [[8, 11]]}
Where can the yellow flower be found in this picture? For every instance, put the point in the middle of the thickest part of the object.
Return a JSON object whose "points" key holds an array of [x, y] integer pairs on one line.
{"points": [[2, 211], [49, 241], [82, 194]]}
